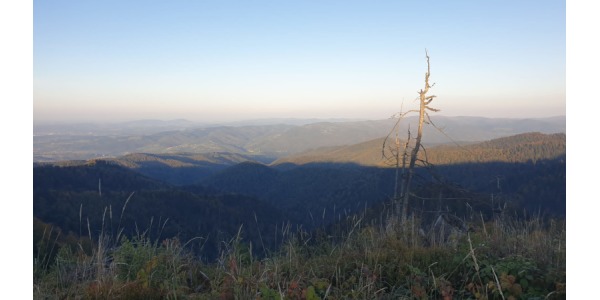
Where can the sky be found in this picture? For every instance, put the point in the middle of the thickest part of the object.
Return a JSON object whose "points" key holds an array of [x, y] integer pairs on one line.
{"points": [[239, 60]]}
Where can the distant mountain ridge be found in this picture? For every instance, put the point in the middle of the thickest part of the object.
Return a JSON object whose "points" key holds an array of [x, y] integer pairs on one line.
{"points": [[517, 148], [275, 141], [191, 168]]}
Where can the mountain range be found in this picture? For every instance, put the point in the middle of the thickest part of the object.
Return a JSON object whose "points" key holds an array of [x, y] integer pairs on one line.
{"points": [[311, 188], [263, 143]]}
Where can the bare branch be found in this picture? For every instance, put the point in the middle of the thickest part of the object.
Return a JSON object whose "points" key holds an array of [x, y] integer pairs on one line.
{"points": [[400, 116], [429, 99], [441, 130], [425, 152]]}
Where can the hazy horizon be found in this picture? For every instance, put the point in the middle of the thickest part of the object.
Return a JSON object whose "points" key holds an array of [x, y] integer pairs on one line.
{"points": [[272, 120], [223, 61]]}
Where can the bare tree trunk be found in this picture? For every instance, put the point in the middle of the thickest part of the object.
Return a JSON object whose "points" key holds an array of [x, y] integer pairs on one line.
{"points": [[404, 156], [396, 196], [424, 102]]}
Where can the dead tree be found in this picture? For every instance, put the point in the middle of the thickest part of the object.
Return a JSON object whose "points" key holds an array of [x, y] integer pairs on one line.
{"points": [[424, 102]]}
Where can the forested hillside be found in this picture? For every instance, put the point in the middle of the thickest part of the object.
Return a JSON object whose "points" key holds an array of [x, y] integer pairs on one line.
{"points": [[524, 147], [523, 171], [72, 199], [183, 168]]}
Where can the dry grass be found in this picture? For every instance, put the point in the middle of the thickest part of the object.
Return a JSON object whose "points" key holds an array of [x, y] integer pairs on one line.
{"points": [[501, 259]]}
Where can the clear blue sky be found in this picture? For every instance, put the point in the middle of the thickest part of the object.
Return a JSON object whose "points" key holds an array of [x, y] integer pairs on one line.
{"points": [[231, 60]]}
